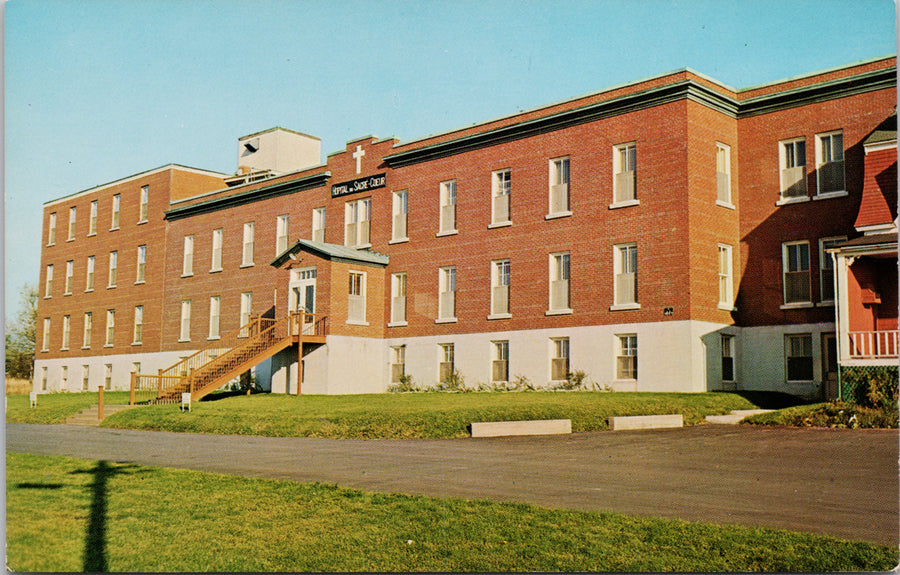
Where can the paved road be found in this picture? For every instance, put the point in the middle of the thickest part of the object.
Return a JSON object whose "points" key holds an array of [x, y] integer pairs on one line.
{"points": [[837, 482]]}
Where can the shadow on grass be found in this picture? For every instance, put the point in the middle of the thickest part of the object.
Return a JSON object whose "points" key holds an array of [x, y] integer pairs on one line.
{"points": [[95, 560], [217, 395], [774, 399]]}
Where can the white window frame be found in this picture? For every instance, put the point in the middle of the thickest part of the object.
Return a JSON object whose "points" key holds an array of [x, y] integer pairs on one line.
{"points": [[216, 261], [560, 362], [116, 211], [187, 258], [501, 280], [789, 348], [727, 347], [144, 209], [48, 282], [107, 376], [66, 332], [786, 248], [558, 199], [826, 268], [89, 274], [85, 377], [45, 337], [185, 321], [73, 217], [723, 176], [624, 185], [246, 309], [356, 298], [138, 331], [448, 210], [70, 277], [110, 328], [500, 361], [51, 230], [282, 233], [826, 155], [725, 277], [92, 221], [87, 329], [790, 156], [398, 300], [215, 311], [560, 284], [318, 224], [113, 269], [626, 347], [399, 217], [247, 244], [622, 268], [446, 294], [398, 363], [501, 198], [446, 361], [141, 264], [64, 376], [358, 223]]}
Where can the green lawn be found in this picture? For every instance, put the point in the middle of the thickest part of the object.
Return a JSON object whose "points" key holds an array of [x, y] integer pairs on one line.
{"points": [[414, 415], [56, 407], [73, 515]]}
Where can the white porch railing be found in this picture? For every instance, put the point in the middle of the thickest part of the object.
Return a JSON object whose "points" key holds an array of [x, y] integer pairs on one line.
{"points": [[873, 344]]}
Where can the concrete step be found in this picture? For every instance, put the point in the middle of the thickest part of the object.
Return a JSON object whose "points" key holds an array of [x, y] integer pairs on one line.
{"points": [[735, 416], [89, 416]]}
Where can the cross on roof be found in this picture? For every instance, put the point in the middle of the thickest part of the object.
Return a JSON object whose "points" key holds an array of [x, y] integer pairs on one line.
{"points": [[357, 155]]}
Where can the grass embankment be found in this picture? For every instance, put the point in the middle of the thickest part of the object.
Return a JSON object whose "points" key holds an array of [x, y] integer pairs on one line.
{"points": [[835, 414], [56, 407], [414, 415], [73, 515]]}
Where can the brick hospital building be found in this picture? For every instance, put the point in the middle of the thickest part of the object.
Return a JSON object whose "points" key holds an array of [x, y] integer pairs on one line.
{"points": [[671, 234]]}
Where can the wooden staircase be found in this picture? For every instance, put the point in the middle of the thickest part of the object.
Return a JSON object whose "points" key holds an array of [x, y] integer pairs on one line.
{"points": [[228, 357]]}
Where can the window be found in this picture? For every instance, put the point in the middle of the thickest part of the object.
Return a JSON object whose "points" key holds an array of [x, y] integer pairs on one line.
{"points": [[138, 325], [500, 276], [398, 363], [500, 364], [113, 269], [88, 325], [357, 217], [559, 365], [398, 299], [246, 306], [830, 163], [72, 213], [45, 336], [318, 225], [559, 283], [447, 294], [214, 308], [792, 156], [107, 376], [92, 221], [247, 251], [48, 282], [559, 187], [145, 204], [282, 231], [185, 332], [44, 378], [726, 281], [400, 211], [67, 324], [795, 263], [89, 276], [448, 207], [826, 269], [85, 377], [798, 351], [625, 268], [187, 260], [356, 298], [110, 327], [727, 358], [216, 264], [723, 175], [624, 169], [51, 230], [64, 375], [70, 275], [626, 360], [136, 367], [501, 189], [141, 263], [446, 366], [116, 204]]}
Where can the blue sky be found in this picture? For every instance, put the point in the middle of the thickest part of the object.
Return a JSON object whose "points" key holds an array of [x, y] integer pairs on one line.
{"points": [[97, 90]]}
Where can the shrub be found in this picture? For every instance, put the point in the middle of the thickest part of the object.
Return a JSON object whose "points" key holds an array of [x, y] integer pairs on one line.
{"points": [[404, 385], [871, 386]]}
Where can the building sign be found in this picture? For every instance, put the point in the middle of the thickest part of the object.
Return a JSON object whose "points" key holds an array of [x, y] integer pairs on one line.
{"points": [[358, 185]]}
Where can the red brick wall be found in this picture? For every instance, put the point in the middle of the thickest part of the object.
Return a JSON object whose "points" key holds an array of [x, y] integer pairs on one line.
{"points": [[879, 196]]}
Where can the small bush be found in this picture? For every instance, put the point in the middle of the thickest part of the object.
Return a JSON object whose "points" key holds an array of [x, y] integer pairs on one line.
{"points": [[405, 384]]}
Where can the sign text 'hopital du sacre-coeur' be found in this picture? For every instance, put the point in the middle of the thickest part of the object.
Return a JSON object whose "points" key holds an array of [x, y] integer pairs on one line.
{"points": [[358, 185]]}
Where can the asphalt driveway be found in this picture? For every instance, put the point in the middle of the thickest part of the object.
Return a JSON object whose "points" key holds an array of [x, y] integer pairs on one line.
{"points": [[837, 482]]}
